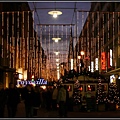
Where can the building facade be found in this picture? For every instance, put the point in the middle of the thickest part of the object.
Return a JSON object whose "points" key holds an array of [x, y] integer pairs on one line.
{"points": [[99, 39], [20, 49]]}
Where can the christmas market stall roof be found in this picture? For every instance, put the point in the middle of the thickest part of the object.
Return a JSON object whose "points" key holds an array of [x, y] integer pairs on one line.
{"points": [[84, 78]]}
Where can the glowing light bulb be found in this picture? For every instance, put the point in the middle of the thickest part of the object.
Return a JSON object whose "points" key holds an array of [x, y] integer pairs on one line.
{"points": [[56, 40], [55, 15], [57, 60]]}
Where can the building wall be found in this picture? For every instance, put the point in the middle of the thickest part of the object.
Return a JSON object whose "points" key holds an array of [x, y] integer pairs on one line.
{"points": [[17, 38], [100, 34]]}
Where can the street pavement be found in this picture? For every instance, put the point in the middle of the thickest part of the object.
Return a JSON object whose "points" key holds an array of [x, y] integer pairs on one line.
{"points": [[42, 113]]}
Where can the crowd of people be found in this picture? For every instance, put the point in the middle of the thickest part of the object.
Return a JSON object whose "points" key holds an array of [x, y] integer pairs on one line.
{"points": [[55, 98]]}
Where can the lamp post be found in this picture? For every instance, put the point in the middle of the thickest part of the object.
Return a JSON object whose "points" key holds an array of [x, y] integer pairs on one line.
{"points": [[80, 58]]}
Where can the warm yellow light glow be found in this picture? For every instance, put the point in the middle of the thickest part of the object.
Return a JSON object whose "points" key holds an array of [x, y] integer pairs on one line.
{"points": [[57, 67], [58, 75], [19, 70], [56, 53], [20, 76], [32, 76], [79, 57], [43, 87], [82, 52], [57, 64], [55, 13], [25, 75], [71, 64], [57, 60], [56, 39]]}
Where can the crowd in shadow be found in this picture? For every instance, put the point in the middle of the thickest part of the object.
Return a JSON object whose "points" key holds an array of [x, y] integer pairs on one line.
{"points": [[34, 98]]}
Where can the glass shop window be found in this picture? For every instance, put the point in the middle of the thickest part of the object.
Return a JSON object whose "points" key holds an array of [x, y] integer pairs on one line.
{"points": [[90, 87], [81, 88]]}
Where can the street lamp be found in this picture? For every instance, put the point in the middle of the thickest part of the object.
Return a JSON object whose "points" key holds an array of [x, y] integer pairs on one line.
{"points": [[82, 52], [57, 60], [55, 13], [56, 39], [79, 57], [56, 53]]}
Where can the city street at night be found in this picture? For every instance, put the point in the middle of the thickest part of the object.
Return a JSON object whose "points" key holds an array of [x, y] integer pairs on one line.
{"points": [[59, 59]]}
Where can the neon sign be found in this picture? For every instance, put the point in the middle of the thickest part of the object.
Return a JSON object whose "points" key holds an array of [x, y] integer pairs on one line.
{"points": [[103, 61]]}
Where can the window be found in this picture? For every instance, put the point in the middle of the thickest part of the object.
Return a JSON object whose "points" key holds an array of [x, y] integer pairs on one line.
{"points": [[81, 88], [69, 88], [90, 87], [104, 87]]}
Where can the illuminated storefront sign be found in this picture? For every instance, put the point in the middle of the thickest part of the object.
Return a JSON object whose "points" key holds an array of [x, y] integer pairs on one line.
{"points": [[92, 66], [103, 61], [112, 79], [110, 57], [71, 64], [96, 64]]}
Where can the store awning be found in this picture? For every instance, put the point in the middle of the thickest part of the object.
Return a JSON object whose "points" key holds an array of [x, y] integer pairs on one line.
{"points": [[116, 71]]}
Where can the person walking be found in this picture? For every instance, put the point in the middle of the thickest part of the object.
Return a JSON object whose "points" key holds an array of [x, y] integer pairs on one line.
{"points": [[28, 101], [48, 99], [36, 100], [54, 98], [61, 101], [13, 98], [3, 97], [67, 100]]}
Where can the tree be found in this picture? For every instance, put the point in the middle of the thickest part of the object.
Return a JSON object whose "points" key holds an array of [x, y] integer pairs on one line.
{"points": [[76, 93], [101, 96], [113, 94]]}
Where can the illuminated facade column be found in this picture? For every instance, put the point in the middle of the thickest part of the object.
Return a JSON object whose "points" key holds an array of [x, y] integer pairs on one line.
{"points": [[8, 56], [13, 42], [18, 43], [118, 50], [27, 64]]}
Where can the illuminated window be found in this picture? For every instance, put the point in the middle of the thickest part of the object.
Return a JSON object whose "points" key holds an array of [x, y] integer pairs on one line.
{"points": [[104, 87], [81, 88], [90, 87]]}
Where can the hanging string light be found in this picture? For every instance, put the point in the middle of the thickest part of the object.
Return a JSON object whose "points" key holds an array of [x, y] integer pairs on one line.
{"points": [[28, 40], [62, 44], [41, 55], [46, 71], [49, 52], [2, 32], [13, 40], [67, 49]]}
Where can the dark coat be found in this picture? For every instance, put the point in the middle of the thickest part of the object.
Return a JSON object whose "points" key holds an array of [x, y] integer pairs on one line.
{"points": [[28, 97], [3, 97], [36, 99], [13, 97]]}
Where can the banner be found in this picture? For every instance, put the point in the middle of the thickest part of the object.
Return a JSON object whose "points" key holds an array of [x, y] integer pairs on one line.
{"points": [[103, 61]]}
